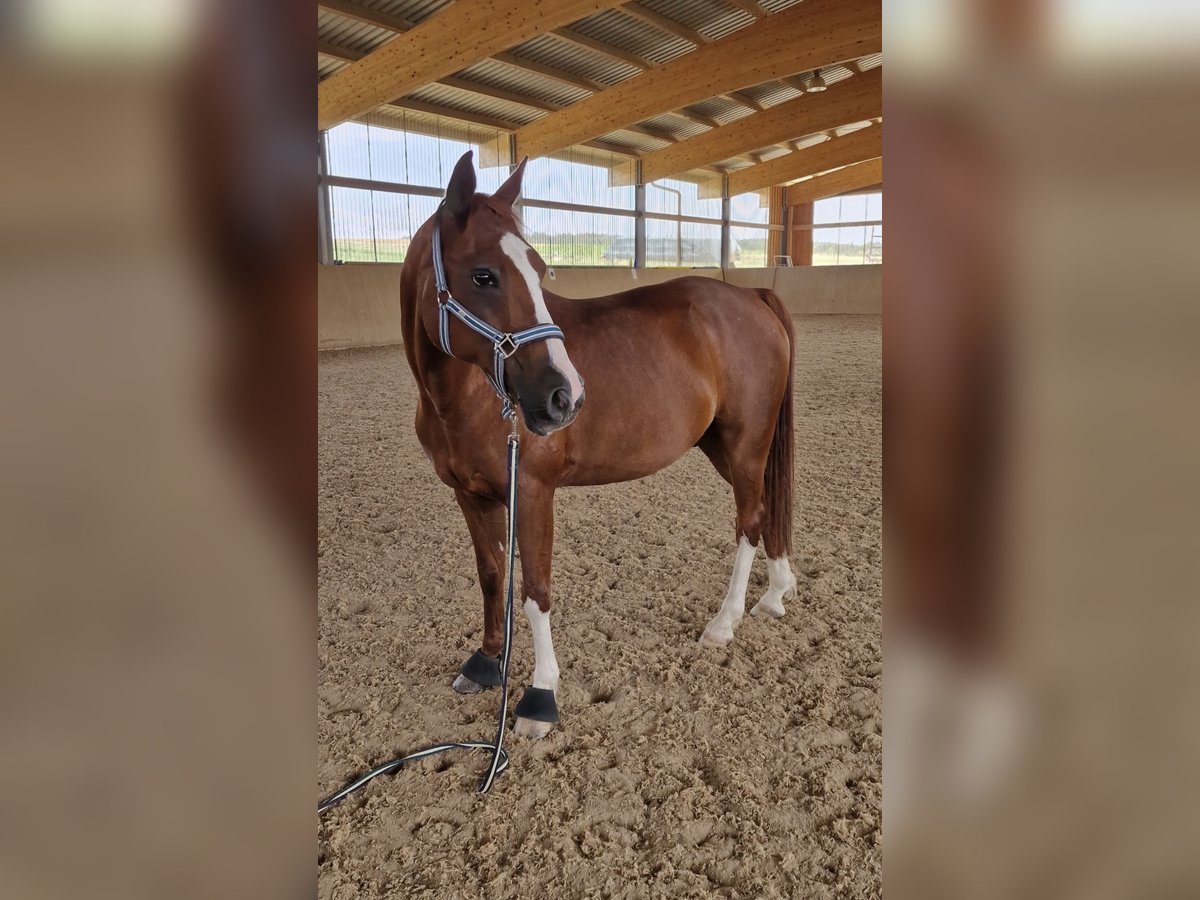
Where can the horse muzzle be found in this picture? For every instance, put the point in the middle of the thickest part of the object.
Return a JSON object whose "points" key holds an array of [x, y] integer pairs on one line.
{"points": [[556, 413]]}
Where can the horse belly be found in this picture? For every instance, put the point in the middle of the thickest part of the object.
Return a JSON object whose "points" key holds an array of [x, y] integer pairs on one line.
{"points": [[616, 447]]}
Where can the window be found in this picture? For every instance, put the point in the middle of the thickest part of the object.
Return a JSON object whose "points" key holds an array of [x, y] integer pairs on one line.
{"points": [[387, 174], [572, 177], [578, 208], [569, 238], [384, 175], [857, 242], [748, 231], [375, 226], [390, 154], [683, 229]]}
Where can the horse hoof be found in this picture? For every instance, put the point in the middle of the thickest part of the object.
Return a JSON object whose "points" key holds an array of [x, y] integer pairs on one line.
{"points": [[465, 685], [477, 673], [531, 728], [768, 609], [717, 635]]}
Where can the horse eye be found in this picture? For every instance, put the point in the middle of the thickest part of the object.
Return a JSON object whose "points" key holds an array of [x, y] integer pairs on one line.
{"points": [[484, 279]]}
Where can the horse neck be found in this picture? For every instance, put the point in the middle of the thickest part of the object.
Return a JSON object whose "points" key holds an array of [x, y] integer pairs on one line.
{"points": [[440, 377]]}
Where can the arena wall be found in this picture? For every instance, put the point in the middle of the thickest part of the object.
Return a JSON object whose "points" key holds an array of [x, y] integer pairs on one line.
{"points": [[359, 303]]}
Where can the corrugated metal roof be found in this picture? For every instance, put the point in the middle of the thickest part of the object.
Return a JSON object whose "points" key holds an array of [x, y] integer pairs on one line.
{"points": [[413, 10], [642, 143], [349, 33], [675, 124], [469, 101], [834, 74], [521, 81], [850, 129], [811, 140], [772, 93], [720, 110], [774, 6], [713, 18], [327, 66], [773, 152], [633, 35], [550, 51]]}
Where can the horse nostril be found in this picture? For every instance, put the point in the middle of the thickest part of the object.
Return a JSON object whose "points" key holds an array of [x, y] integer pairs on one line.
{"points": [[560, 404]]}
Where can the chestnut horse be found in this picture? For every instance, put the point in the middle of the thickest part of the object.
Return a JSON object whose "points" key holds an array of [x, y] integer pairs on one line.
{"points": [[693, 362]]}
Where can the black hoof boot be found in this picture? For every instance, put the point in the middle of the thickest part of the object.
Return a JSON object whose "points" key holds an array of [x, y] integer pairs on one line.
{"points": [[477, 673], [538, 705]]}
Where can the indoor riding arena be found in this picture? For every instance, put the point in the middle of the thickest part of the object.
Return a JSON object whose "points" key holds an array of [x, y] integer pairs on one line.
{"points": [[735, 140]]}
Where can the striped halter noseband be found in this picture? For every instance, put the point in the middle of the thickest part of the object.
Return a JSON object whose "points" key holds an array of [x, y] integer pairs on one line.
{"points": [[503, 345]]}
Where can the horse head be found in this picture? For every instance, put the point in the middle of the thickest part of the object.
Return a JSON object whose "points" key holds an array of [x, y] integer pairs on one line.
{"points": [[496, 275]]}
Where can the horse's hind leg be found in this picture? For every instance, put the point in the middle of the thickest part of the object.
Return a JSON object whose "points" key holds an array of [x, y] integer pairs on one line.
{"points": [[485, 521], [742, 462], [782, 583]]}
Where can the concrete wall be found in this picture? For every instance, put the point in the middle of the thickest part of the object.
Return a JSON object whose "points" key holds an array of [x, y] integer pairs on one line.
{"points": [[359, 303]]}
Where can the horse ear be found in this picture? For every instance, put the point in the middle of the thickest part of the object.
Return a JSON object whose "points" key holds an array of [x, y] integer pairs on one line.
{"points": [[511, 189], [461, 189]]}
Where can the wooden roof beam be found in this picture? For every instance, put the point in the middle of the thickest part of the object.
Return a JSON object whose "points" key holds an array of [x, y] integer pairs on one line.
{"points": [[395, 23], [333, 51], [851, 178], [456, 37], [345, 54], [744, 100], [324, 48], [844, 151], [811, 34], [466, 84], [450, 112], [853, 100]]}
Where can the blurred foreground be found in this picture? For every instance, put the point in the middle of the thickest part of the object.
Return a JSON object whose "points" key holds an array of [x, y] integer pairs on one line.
{"points": [[158, 448], [1041, 439]]}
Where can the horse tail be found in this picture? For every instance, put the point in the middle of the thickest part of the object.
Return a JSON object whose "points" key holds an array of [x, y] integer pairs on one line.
{"points": [[777, 493]]}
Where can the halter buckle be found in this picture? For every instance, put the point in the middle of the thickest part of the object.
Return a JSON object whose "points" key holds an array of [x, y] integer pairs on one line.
{"points": [[442, 301], [506, 346]]}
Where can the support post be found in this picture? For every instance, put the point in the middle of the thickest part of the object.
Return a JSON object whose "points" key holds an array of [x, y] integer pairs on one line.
{"points": [[801, 237], [776, 218], [639, 220], [726, 241], [324, 213]]}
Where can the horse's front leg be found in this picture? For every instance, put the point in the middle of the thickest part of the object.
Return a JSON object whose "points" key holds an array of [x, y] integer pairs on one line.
{"points": [[538, 710], [486, 522]]}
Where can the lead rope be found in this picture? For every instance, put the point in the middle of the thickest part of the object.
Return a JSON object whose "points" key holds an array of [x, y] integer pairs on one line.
{"points": [[499, 754]]}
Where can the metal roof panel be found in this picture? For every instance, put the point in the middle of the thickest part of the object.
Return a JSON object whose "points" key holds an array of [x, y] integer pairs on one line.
{"points": [[552, 51]]}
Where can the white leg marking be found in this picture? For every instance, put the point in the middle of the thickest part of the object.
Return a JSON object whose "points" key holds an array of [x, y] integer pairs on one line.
{"points": [[518, 251], [720, 630], [782, 584], [545, 665], [545, 668]]}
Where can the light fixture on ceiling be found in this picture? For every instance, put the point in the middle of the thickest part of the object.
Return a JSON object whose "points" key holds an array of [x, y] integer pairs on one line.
{"points": [[816, 84]]}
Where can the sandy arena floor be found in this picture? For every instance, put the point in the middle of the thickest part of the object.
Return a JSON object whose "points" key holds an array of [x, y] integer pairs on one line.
{"points": [[677, 771]]}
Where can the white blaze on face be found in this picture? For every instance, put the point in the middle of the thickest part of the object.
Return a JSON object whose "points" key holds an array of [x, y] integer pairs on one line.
{"points": [[518, 251], [545, 665]]}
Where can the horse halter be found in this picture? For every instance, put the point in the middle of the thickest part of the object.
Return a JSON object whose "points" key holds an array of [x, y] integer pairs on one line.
{"points": [[503, 345]]}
